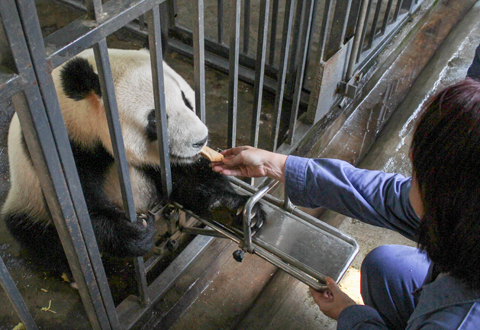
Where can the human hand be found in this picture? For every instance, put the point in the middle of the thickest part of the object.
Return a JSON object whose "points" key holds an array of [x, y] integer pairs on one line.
{"points": [[332, 301], [251, 162]]}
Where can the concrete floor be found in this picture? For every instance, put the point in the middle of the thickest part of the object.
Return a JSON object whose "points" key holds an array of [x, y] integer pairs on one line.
{"points": [[253, 294]]}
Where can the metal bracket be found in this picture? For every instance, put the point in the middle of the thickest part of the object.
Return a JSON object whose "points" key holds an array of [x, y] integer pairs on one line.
{"points": [[347, 89]]}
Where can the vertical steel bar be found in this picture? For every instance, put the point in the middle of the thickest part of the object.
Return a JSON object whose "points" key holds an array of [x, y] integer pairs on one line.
{"points": [[108, 94], [357, 42], [15, 297], [43, 135], [387, 16], [172, 13], [309, 39], [34, 38], [260, 69], [353, 19], [199, 59], [246, 26], [324, 30], [364, 31], [373, 30], [44, 153], [287, 30], [295, 47], [397, 10], [155, 43], [94, 9], [300, 71], [339, 28], [273, 33], [410, 5], [219, 21], [234, 55]]}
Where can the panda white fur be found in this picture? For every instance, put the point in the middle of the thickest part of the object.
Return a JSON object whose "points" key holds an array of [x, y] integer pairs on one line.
{"points": [[195, 185]]}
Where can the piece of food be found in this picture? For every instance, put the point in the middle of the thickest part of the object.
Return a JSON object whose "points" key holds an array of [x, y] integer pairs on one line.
{"points": [[211, 154]]}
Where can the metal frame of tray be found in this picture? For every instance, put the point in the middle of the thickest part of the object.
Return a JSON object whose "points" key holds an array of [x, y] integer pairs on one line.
{"points": [[301, 245]]}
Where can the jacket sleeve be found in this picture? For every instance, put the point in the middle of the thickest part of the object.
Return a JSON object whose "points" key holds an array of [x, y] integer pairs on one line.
{"points": [[474, 69], [374, 197], [360, 317]]}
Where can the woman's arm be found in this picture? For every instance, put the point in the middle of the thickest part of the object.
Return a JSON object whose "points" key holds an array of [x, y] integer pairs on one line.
{"points": [[374, 197]]}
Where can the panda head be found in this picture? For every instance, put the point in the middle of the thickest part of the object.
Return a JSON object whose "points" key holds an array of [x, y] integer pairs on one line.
{"points": [[82, 106]]}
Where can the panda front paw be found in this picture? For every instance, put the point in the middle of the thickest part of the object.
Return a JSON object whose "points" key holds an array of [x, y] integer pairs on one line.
{"points": [[142, 235], [258, 217]]}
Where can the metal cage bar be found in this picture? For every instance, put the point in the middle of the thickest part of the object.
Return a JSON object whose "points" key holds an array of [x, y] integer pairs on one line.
{"points": [[199, 60], [233, 72], [15, 297], [339, 27], [155, 43], [300, 70], [246, 26], [260, 70], [46, 138], [373, 30], [219, 21], [388, 14], [287, 30], [273, 32]]}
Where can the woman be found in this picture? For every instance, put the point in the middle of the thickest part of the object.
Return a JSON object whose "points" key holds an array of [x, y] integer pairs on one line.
{"points": [[436, 286]]}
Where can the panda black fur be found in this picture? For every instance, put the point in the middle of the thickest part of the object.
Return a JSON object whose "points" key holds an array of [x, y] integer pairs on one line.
{"points": [[195, 185]]}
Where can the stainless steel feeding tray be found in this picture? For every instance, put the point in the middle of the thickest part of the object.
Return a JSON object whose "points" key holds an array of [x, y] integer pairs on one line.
{"points": [[292, 240]]}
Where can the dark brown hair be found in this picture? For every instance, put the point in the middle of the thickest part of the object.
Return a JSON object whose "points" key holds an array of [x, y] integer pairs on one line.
{"points": [[446, 162]]}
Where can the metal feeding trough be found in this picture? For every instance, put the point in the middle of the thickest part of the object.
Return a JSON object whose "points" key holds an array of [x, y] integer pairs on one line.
{"points": [[301, 245]]}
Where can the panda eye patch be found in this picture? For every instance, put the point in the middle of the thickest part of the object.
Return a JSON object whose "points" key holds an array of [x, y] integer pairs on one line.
{"points": [[151, 126], [151, 130], [186, 101]]}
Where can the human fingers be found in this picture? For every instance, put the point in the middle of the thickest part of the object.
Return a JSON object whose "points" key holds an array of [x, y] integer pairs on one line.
{"points": [[322, 295], [332, 285], [234, 151], [227, 171]]}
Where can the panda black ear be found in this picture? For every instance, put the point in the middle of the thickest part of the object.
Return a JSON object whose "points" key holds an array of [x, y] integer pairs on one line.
{"points": [[79, 79]]}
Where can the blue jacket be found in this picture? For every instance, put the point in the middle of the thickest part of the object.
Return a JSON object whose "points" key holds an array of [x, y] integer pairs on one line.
{"points": [[380, 199], [474, 69]]}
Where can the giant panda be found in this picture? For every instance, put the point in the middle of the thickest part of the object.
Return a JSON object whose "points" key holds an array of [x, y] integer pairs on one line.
{"points": [[195, 186]]}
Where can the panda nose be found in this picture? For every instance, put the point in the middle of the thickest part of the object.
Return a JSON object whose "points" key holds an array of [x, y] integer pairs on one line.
{"points": [[200, 143]]}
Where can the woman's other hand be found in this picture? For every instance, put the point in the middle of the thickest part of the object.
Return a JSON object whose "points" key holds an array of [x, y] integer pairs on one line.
{"points": [[332, 301]]}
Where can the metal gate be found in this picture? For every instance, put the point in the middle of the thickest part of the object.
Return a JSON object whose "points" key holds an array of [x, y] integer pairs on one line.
{"points": [[309, 56]]}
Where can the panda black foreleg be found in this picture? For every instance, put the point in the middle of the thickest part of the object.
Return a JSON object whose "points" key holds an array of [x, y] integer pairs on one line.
{"points": [[199, 189], [40, 241], [118, 236]]}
